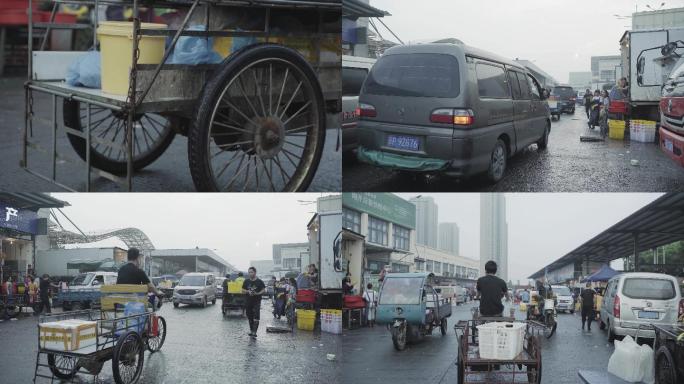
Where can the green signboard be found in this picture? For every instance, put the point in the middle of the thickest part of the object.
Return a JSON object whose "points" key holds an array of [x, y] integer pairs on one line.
{"points": [[384, 206]]}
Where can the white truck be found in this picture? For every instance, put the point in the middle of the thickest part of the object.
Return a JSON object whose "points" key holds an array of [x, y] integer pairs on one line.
{"points": [[325, 239], [648, 58]]}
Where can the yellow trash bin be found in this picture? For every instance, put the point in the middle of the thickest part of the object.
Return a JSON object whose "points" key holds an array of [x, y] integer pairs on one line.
{"points": [[116, 45]]}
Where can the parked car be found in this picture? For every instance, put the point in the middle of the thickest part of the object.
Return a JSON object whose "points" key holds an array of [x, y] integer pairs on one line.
{"points": [[564, 300], [354, 72], [640, 298], [84, 290], [449, 109], [196, 288], [579, 98], [566, 98], [219, 285]]}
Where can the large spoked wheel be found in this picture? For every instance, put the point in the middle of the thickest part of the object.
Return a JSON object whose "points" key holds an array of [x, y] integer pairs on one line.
{"points": [[155, 343], [152, 135], [534, 349], [665, 371], [128, 358], [259, 124], [550, 325], [63, 367], [460, 362], [399, 337]]}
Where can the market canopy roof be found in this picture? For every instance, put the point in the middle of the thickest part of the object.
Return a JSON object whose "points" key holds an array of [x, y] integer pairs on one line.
{"points": [[603, 274], [354, 9], [656, 224], [31, 201]]}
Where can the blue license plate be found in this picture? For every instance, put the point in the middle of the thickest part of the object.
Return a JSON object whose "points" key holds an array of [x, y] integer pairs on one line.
{"points": [[403, 142], [648, 315]]}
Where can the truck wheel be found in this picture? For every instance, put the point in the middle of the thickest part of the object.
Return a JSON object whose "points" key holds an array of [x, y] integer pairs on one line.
{"points": [[497, 164]]}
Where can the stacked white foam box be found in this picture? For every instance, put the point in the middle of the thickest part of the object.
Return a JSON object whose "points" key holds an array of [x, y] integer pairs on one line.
{"points": [[642, 131], [331, 321]]}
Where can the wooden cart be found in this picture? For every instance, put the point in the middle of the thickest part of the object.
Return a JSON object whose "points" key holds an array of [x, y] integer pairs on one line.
{"points": [[254, 122]]}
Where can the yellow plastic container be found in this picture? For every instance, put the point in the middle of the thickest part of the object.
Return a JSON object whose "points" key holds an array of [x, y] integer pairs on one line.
{"points": [[116, 45], [616, 129], [306, 319]]}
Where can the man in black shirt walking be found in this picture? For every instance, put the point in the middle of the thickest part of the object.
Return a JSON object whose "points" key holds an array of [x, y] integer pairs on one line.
{"points": [[131, 273], [588, 297], [44, 288], [253, 287], [492, 289]]}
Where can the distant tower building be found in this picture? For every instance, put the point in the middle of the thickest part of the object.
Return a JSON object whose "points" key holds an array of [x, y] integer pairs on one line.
{"points": [[426, 220], [494, 232], [449, 237]]}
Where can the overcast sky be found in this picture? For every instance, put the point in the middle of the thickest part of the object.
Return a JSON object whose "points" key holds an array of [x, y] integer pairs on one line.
{"points": [[239, 227], [542, 227], [560, 36]]}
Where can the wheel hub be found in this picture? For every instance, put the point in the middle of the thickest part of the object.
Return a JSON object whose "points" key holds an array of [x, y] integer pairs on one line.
{"points": [[269, 136]]}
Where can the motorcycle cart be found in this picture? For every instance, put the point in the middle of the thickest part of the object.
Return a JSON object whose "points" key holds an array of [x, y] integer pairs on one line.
{"points": [[256, 121], [411, 308]]}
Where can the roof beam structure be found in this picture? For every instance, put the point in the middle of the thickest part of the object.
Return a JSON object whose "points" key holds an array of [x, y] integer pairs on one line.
{"points": [[132, 237]]}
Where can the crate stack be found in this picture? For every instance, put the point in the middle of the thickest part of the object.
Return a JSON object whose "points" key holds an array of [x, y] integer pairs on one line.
{"points": [[642, 131], [331, 321]]}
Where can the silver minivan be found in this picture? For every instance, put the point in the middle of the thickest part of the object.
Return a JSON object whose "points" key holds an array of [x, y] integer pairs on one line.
{"points": [[640, 298], [450, 109], [196, 288]]}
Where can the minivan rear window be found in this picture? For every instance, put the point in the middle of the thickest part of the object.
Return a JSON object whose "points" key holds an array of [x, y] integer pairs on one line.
{"points": [[416, 74], [649, 289], [563, 92], [352, 80]]}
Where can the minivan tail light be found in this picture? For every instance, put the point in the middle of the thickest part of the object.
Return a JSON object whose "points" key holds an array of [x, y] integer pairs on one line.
{"points": [[616, 307], [366, 110], [452, 116]]}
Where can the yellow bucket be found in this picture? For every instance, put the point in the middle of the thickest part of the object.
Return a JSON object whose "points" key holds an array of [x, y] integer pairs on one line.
{"points": [[523, 307], [306, 319], [116, 45]]}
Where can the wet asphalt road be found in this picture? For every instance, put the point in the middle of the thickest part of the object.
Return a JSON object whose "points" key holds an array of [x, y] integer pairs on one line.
{"points": [[567, 166], [200, 347], [369, 357], [169, 173]]}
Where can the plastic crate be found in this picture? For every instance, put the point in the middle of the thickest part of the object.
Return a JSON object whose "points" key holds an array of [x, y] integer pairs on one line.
{"points": [[354, 302], [500, 340], [642, 131], [306, 296], [306, 319], [616, 129], [331, 321], [617, 107]]}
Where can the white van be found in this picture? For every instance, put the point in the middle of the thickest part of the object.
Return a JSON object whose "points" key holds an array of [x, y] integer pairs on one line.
{"points": [[354, 72], [640, 298], [564, 300]]}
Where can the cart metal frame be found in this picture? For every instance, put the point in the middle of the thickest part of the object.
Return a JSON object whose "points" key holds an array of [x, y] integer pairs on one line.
{"points": [[143, 77]]}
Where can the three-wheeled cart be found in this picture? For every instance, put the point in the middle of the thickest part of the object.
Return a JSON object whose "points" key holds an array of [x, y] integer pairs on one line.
{"points": [[120, 338], [233, 303], [669, 353], [254, 122], [526, 367]]}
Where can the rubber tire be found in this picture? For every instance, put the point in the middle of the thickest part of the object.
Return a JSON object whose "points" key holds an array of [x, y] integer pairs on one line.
{"points": [[399, 346], [163, 337], [175, 305], [664, 353], [443, 326], [204, 302], [197, 135], [72, 119], [213, 302], [572, 311], [543, 142], [611, 334], [116, 355], [490, 177], [460, 363], [64, 376]]}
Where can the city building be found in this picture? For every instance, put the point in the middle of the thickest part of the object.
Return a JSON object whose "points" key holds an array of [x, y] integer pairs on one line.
{"points": [[357, 39], [580, 81], [544, 79], [263, 267], [292, 257], [180, 261], [426, 220], [494, 232], [605, 70], [445, 264], [449, 238], [23, 230], [661, 19]]}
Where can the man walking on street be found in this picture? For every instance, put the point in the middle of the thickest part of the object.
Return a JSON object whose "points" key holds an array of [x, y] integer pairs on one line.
{"points": [[588, 299], [492, 289], [587, 101], [44, 289], [253, 287]]}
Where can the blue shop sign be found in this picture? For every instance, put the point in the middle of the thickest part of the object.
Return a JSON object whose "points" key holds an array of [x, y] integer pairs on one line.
{"points": [[21, 220]]}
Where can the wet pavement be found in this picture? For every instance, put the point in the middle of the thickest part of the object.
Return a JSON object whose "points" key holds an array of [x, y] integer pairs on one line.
{"points": [[200, 347], [369, 357], [169, 173], [567, 166]]}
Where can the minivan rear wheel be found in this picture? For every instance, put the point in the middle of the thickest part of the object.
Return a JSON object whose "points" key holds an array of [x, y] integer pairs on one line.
{"points": [[543, 142], [497, 164]]}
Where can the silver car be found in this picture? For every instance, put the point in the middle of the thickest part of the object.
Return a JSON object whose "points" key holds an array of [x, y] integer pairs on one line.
{"points": [[196, 288], [639, 298], [449, 109]]}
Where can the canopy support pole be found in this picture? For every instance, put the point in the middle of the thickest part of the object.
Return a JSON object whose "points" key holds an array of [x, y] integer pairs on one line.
{"points": [[636, 252]]}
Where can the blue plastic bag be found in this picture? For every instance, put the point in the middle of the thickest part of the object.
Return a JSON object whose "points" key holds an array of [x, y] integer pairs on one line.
{"points": [[194, 50], [85, 71], [136, 324]]}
